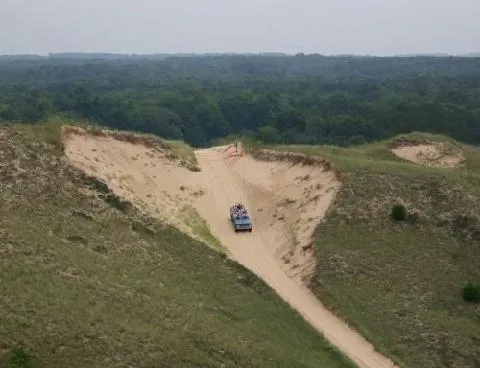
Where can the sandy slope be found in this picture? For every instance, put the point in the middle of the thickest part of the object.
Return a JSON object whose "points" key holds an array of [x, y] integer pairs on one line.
{"points": [[435, 155], [286, 202]]}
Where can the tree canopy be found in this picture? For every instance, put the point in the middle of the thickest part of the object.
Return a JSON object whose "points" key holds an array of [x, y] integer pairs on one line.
{"points": [[310, 99]]}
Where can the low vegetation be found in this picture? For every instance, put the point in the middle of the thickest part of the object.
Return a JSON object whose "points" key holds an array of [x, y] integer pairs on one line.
{"points": [[199, 226], [398, 282], [471, 293], [399, 212], [85, 284], [18, 358]]}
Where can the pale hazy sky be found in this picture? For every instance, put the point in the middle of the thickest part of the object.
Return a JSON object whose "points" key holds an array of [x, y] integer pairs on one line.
{"points": [[381, 27]]}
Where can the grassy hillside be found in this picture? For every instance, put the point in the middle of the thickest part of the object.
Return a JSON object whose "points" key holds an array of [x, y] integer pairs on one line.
{"points": [[400, 283], [88, 282]]}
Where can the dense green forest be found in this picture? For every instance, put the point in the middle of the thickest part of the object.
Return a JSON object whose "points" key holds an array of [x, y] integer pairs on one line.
{"points": [[310, 99]]}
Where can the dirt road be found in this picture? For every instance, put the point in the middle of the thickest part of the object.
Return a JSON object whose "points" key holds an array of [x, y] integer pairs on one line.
{"points": [[254, 251], [286, 202]]}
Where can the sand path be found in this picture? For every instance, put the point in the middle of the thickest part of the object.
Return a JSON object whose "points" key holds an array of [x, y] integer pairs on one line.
{"points": [[253, 251]]}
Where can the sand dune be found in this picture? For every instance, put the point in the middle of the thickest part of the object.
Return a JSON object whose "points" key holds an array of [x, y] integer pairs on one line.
{"points": [[286, 198], [431, 154]]}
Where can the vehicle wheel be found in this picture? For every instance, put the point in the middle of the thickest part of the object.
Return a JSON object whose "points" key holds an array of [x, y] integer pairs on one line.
{"points": [[250, 230]]}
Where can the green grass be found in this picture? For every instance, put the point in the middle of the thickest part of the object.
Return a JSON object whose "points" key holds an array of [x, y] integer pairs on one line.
{"points": [[199, 226], [400, 284], [185, 152], [18, 358], [85, 284]]}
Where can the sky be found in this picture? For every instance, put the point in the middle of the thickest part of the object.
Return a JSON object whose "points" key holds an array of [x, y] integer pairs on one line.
{"points": [[373, 27]]}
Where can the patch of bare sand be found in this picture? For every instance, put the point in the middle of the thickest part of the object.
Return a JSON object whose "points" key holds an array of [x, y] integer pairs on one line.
{"points": [[286, 196], [288, 200], [431, 154], [143, 175]]}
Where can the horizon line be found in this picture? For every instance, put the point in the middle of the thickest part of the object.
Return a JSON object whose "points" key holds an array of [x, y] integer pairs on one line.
{"points": [[231, 53]]}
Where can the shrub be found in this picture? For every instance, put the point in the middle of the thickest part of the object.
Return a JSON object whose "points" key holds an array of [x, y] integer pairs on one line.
{"points": [[116, 202], [97, 184], [471, 293], [18, 358], [399, 212]]}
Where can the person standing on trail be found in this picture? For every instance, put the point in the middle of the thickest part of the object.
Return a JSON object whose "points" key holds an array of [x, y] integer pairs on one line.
{"points": [[236, 145]]}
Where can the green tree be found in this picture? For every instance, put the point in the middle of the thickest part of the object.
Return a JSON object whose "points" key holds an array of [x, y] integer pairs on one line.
{"points": [[268, 134]]}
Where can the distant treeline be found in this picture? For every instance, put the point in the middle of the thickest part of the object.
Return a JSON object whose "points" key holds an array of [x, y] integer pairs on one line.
{"points": [[275, 98]]}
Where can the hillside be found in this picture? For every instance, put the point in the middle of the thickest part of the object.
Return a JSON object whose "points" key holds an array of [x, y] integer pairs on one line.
{"points": [[88, 280], [286, 197], [400, 283], [104, 276]]}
